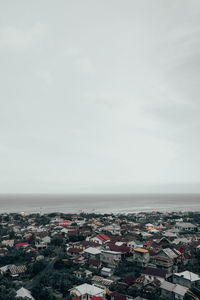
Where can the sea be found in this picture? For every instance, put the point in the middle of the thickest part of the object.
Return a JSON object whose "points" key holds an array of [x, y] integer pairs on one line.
{"points": [[101, 203]]}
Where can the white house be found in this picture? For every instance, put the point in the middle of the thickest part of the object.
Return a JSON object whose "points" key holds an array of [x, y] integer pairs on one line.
{"points": [[87, 291]]}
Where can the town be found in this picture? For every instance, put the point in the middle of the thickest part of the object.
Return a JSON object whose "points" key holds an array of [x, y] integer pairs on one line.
{"points": [[90, 256]]}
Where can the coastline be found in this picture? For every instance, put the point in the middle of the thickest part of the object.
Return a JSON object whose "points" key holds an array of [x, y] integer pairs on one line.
{"points": [[116, 204]]}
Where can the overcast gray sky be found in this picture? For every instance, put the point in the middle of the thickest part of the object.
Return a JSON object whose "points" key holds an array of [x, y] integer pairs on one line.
{"points": [[99, 96]]}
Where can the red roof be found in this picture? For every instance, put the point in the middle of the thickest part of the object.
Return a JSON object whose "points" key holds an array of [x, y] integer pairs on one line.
{"points": [[103, 237], [22, 244], [158, 228], [66, 221], [146, 244], [97, 298]]}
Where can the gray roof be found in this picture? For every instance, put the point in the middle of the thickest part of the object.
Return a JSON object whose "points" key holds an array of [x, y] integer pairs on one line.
{"points": [[188, 275], [185, 225], [87, 289], [92, 250], [175, 288]]}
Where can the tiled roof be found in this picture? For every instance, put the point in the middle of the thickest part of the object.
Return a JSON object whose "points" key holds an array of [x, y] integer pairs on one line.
{"points": [[103, 237], [14, 270], [102, 280]]}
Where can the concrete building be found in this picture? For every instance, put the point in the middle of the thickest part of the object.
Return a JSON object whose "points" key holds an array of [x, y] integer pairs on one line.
{"points": [[110, 258], [186, 278], [141, 256], [186, 226], [172, 291]]}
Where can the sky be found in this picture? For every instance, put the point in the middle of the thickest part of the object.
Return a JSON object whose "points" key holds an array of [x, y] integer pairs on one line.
{"points": [[99, 96]]}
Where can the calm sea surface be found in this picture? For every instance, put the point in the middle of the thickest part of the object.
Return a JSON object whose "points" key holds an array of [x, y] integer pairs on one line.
{"points": [[99, 203]]}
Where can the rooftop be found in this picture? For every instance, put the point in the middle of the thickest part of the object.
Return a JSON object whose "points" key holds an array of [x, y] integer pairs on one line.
{"points": [[141, 250], [87, 289], [188, 275]]}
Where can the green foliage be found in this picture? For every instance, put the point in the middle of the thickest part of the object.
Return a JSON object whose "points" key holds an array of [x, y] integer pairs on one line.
{"points": [[16, 256], [126, 268], [43, 293], [37, 267], [32, 240], [75, 238], [7, 291], [57, 241]]}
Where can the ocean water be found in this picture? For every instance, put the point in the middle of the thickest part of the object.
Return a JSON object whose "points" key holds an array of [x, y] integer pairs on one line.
{"points": [[120, 203]]}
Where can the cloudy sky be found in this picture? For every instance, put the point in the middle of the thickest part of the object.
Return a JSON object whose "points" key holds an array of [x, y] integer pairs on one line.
{"points": [[99, 96]]}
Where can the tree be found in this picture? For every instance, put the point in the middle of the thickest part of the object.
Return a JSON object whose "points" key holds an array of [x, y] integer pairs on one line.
{"points": [[37, 267]]}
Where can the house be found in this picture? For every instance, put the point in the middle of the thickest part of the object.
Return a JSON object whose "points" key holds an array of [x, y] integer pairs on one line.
{"points": [[110, 258], [9, 243], [169, 253], [92, 253], [65, 222], [119, 247], [107, 272], [186, 226], [141, 256], [46, 240], [24, 293], [85, 244], [155, 273], [16, 271], [87, 291], [186, 278], [94, 263], [41, 245], [163, 263], [135, 244], [78, 259], [81, 273], [114, 229], [172, 291], [73, 251], [101, 282], [101, 239]]}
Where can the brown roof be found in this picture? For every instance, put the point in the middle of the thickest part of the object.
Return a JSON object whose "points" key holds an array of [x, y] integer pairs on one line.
{"points": [[117, 296], [74, 250], [123, 248], [163, 258], [89, 243], [94, 262], [155, 272]]}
